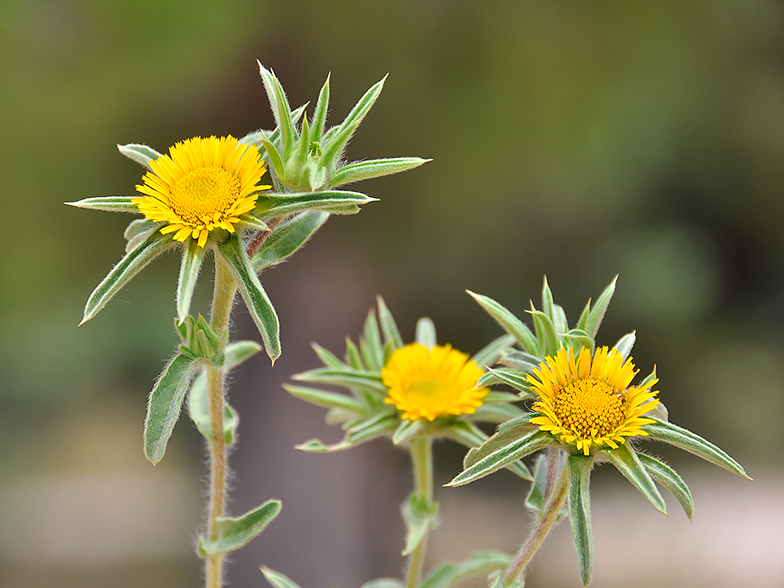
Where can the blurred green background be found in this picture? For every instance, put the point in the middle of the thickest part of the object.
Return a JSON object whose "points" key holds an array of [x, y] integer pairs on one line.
{"points": [[574, 139]]}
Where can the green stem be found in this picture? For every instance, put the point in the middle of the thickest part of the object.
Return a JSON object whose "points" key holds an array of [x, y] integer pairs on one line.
{"points": [[223, 300], [421, 450], [555, 496]]}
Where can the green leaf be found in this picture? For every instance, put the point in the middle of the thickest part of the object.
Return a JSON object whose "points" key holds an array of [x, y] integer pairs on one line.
{"points": [[253, 294], [426, 333], [688, 441], [288, 238], [131, 264], [275, 158], [199, 411], [192, 258], [335, 201], [581, 338], [137, 231], [595, 316], [406, 430], [514, 378], [304, 144], [334, 145], [547, 301], [545, 331], [519, 360], [363, 170], [529, 442], [625, 344], [324, 399], [139, 153], [471, 436], [277, 579], [320, 113], [327, 357], [280, 109], [347, 377], [496, 413], [235, 532], [669, 478], [509, 322], [353, 357], [362, 107], [535, 499], [580, 512], [384, 583], [626, 461], [388, 325], [480, 563], [371, 345], [419, 515], [163, 408], [361, 432], [238, 352], [107, 203], [489, 354]]}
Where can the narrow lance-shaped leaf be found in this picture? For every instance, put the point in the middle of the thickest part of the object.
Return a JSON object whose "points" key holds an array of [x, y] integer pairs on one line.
{"points": [[324, 399], [388, 325], [372, 347], [130, 265], [139, 153], [254, 137], [517, 449], [274, 205], [626, 461], [288, 238], [509, 322], [625, 344], [253, 294], [547, 300], [406, 430], [580, 512], [333, 148], [426, 333], [480, 563], [107, 204], [192, 258], [471, 436], [280, 108], [688, 441], [234, 532], [277, 579], [488, 355], [514, 378], [348, 377], [418, 515], [164, 406], [669, 478], [375, 168], [304, 143], [383, 583], [328, 358], [137, 231], [363, 105], [596, 314], [545, 331], [320, 113], [275, 158]]}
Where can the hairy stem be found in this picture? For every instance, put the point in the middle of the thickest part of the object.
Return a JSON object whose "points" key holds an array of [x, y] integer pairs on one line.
{"points": [[554, 498], [223, 300], [421, 450]]}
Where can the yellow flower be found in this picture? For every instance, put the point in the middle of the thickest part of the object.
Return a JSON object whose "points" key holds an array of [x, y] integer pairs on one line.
{"points": [[585, 402], [201, 185], [430, 383]]}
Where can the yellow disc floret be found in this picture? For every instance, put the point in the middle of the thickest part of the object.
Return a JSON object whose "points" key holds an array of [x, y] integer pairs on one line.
{"points": [[201, 185], [589, 401], [426, 383]]}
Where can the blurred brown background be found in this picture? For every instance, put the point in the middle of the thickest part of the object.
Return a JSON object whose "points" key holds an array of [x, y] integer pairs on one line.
{"points": [[574, 139]]}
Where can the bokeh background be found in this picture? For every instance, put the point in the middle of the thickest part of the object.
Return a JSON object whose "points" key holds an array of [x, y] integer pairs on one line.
{"points": [[574, 139]]}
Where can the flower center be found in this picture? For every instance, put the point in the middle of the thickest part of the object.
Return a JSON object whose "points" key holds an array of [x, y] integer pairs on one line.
{"points": [[591, 407], [204, 195], [425, 388]]}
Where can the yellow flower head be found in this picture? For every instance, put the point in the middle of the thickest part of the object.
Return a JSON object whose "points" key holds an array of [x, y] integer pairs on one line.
{"points": [[201, 185], [427, 383], [588, 402]]}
